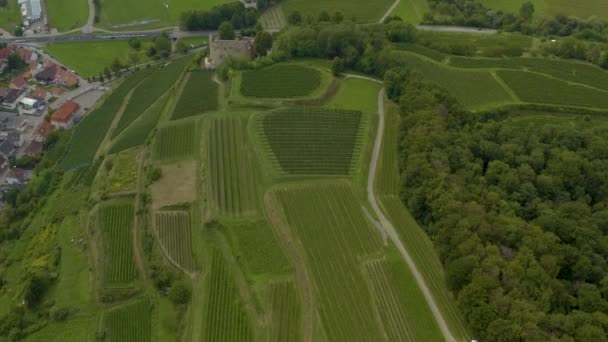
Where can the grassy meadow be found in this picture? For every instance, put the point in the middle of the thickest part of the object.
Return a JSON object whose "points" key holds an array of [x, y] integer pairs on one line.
{"points": [[361, 10], [78, 14], [10, 16]]}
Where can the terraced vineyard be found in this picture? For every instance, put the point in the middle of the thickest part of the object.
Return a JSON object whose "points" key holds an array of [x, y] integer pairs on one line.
{"points": [[200, 95], [130, 322], [360, 10], [115, 221], [535, 88], [286, 315], [273, 18], [280, 81], [331, 226], [466, 85], [173, 233], [149, 91], [90, 132], [233, 169], [225, 315], [176, 141], [313, 141], [258, 247]]}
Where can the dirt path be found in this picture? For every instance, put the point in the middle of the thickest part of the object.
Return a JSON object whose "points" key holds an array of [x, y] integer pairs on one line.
{"points": [[88, 27], [302, 280], [136, 255], [389, 11], [388, 227]]}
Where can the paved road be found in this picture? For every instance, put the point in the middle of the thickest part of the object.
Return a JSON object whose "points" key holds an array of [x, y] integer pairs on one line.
{"points": [[458, 29], [100, 37], [387, 225]]}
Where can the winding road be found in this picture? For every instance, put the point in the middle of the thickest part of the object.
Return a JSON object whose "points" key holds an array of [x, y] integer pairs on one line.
{"points": [[388, 226]]}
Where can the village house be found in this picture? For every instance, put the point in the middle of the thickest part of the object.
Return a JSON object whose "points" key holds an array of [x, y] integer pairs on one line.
{"points": [[52, 73], [56, 91], [30, 106], [5, 52], [42, 131], [220, 50], [40, 94], [31, 11], [27, 55], [18, 83], [34, 148], [65, 116], [11, 99], [18, 176]]}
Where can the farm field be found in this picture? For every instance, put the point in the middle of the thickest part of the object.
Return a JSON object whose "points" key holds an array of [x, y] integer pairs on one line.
{"points": [[582, 8], [89, 133], [90, 58], [280, 81], [233, 168], [225, 315], [363, 11], [129, 322], [138, 131], [486, 45], [273, 18], [129, 14], [57, 9], [149, 91], [534, 88], [173, 233], [176, 141], [286, 314], [356, 94], [308, 141], [115, 222], [465, 84], [258, 245], [75, 329], [200, 95]]}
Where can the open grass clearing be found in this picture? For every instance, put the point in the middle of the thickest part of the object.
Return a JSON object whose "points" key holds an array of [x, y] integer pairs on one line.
{"points": [[411, 11], [81, 328], [362, 11], [10, 16], [356, 94], [177, 185], [59, 18], [90, 58]]}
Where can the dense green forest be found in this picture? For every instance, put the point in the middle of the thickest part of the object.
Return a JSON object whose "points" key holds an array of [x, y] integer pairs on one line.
{"points": [[518, 211]]}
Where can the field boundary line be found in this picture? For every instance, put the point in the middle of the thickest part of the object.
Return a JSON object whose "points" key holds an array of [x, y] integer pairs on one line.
{"points": [[390, 11], [390, 230], [505, 86]]}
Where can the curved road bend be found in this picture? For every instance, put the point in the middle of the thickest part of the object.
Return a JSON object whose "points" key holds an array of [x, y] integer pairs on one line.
{"points": [[386, 224]]}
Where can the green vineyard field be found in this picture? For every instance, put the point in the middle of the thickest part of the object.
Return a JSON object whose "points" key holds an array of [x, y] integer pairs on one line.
{"points": [[330, 224], [130, 322], [225, 317], [200, 95], [360, 10], [313, 141], [257, 245], [232, 167], [280, 81], [286, 315], [115, 220], [173, 233], [174, 142]]}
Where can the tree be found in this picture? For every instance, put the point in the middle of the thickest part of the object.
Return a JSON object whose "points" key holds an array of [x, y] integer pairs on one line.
{"points": [[107, 73], [294, 18], [116, 65], [162, 45], [15, 62], [526, 11], [263, 43], [18, 31], [133, 58], [180, 293], [337, 66], [101, 79], [135, 43], [401, 32], [324, 16], [226, 31], [337, 17]]}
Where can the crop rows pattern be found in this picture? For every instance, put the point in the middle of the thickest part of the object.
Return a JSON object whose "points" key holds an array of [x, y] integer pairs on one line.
{"points": [[280, 81], [313, 141], [173, 232], [473, 88], [200, 95], [116, 222], [360, 10], [233, 170], [259, 247], [285, 312], [149, 91], [335, 235], [176, 142], [225, 319], [91, 131], [130, 322]]}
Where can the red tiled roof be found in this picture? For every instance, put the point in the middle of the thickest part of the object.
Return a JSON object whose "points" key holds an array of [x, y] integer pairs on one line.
{"points": [[18, 82], [39, 94], [26, 54], [44, 129], [66, 78], [5, 52], [33, 65], [56, 91], [65, 112]]}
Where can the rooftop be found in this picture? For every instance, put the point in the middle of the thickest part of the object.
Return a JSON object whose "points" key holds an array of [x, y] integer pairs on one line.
{"points": [[65, 112]]}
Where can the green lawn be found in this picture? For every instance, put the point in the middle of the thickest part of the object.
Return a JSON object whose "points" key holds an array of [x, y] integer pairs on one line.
{"points": [[411, 11], [127, 14], [10, 16], [89, 58], [195, 41], [578, 8], [356, 94], [58, 13], [362, 10]]}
